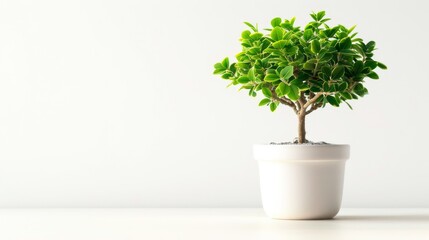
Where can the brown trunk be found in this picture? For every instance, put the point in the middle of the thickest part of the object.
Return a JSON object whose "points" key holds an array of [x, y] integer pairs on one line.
{"points": [[301, 128]]}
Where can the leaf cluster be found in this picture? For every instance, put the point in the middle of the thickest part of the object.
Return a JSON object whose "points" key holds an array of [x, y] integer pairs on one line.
{"points": [[316, 64]]}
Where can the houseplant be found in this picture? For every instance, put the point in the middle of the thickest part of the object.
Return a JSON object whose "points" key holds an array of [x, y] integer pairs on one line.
{"points": [[305, 70]]}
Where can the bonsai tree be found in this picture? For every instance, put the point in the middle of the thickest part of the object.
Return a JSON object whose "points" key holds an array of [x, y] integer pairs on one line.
{"points": [[304, 69]]}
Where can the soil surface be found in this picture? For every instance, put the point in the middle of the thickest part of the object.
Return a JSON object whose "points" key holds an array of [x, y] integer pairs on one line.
{"points": [[295, 142]]}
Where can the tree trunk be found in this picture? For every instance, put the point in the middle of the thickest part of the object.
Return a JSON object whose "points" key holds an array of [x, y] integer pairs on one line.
{"points": [[301, 128]]}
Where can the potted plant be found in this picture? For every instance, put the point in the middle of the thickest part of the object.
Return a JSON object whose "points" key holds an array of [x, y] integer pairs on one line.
{"points": [[305, 70]]}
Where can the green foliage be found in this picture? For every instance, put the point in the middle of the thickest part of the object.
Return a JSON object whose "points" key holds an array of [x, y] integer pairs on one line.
{"points": [[290, 63]]}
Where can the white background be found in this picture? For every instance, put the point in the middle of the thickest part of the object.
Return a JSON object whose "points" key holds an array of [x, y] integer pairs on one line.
{"points": [[112, 103]]}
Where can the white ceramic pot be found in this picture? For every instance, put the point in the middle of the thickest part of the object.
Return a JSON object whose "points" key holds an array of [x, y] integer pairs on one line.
{"points": [[301, 181]]}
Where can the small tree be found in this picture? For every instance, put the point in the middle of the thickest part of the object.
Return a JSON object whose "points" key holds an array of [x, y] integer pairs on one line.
{"points": [[302, 69]]}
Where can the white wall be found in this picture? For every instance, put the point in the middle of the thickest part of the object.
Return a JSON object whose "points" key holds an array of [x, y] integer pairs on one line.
{"points": [[112, 103]]}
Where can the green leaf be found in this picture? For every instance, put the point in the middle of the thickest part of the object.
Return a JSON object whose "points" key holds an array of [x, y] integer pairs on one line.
{"points": [[266, 92], [343, 86], [251, 74], [280, 44], [361, 93], [325, 20], [304, 87], [243, 65], [345, 43], [370, 46], [381, 65], [326, 70], [348, 104], [338, 98], [366, 70], [371, 64], [264, 102], [292, 20], [226, 75], [359, 87], [346, 95], [296, 82], [243, 80], [251, 26], [246, 43], [273, 106], [293, 94], [219, 66], [360, 90], [338, 72], [225, 63], [276, 22], [308, 34], [309, 66], [277, 34], [256, 36], [326, 57], [358, 67], [286, 72], [351, 29], [265, 43], [315, 46], [300, 84], [315, 89], [373, 75], [233, 67], [282, 89], [332, 100], [326, 87], [348, 52], [320, 15], [246, 86], [291, 50], [354, 96], [218, 71], [271, 78], [254, 50], [245, 34], [252, 92]]}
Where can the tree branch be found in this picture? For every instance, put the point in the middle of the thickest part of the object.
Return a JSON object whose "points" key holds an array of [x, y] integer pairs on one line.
{"points": [[284, 101], [313, 100], [302, 102], [287, 103], [297, 106], [310, 96], [313, 107]]}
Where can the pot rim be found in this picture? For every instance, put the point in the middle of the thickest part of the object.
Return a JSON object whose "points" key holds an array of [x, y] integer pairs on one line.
{"points": [[297, 152], [303, 145]]}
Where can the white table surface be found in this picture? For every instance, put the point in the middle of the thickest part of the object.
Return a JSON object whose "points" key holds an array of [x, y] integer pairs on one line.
{"points": [[201, 224]]}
